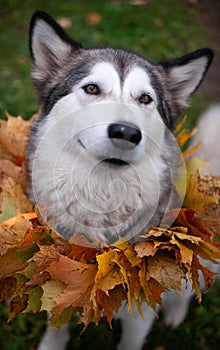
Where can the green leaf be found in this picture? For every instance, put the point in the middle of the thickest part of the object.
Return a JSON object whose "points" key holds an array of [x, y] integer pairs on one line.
{"points": [[63, 318], [10, 207], [26, 253], [34, 299]]}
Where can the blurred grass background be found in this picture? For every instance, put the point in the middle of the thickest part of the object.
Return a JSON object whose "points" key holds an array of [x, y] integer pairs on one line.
{"points": [[156, 29]]}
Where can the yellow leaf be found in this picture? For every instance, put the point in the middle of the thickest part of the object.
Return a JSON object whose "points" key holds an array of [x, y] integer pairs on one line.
{"points": [[202, 190], [108, 275], [128, 251], [51, 289], [186, 253], [191, 150], [195, 164]]}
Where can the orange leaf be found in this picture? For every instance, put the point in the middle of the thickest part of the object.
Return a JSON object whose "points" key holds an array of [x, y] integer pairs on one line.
{"points": [[26, 216], [93, 18], [14, 134], [190, 219]]}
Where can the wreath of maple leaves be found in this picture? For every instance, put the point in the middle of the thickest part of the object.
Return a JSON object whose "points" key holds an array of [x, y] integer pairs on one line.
{"points": [[39, 270]]}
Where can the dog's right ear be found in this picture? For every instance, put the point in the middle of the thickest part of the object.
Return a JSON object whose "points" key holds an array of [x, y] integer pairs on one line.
{"points": [[50, 48]]}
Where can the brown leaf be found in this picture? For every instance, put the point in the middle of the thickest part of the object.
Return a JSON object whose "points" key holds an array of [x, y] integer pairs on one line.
{"points": [[109, 303], [18, 173], [144, 249], [78, 278], [82, 250], [10, 263], [7, 286], [164, 270], [14, 134], [17, 306]]}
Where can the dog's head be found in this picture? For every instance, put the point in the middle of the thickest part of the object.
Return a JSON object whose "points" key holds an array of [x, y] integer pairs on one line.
{"points": [[111, 111]]}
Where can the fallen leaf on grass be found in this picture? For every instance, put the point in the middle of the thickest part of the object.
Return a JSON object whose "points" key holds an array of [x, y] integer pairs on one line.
{"points": [[93, 18], [65, 22]]}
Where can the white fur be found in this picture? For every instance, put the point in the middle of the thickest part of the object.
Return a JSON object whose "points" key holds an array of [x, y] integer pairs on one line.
{"points": [[208, 135], [138, 82], [73, 142], [105, 75]]}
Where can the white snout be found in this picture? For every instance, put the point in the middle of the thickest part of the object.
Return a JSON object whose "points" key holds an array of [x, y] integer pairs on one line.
{"points": [[96, 142]]}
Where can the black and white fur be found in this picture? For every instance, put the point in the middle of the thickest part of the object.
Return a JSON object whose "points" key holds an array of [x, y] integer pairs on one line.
{"points": [[104, 163]]}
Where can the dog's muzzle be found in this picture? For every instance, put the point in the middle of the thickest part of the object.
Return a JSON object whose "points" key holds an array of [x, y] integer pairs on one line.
{"points": [[124, 136], [114, 144]]}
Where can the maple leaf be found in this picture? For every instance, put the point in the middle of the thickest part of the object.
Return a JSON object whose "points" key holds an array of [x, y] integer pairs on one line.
{"points": [[108, 278], [14, 171], [7, 286], [14, 134], [51, 289], [12, 198], [13, 143], [203, 196], [77, 276], [109, 274], [202, 191]]}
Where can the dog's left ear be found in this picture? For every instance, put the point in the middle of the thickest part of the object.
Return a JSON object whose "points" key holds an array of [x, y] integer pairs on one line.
{"points": [[185, 74]]}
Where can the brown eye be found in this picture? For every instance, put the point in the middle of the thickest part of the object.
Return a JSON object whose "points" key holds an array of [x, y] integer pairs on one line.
{"points": [[91, 89], [145, 99]]}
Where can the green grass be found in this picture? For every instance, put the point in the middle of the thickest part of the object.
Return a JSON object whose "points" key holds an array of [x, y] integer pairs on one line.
{"points": [[163, 29], [200, 331], [159, 30]]}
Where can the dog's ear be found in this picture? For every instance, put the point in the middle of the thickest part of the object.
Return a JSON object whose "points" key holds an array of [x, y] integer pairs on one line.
{"points": [[185, 74], [50, 48]]}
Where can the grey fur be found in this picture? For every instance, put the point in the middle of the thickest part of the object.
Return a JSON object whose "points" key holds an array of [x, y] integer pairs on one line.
{"points": [[57, 70]]}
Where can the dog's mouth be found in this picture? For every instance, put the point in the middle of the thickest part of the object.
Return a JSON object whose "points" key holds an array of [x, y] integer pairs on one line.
{"points": [[115, 162]]}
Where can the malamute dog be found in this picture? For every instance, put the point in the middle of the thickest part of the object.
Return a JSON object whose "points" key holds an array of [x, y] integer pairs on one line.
{"points": [[102, 158]]}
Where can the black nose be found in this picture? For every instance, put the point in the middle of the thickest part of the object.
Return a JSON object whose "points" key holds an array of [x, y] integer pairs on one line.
{"points": [[124, 132]]}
